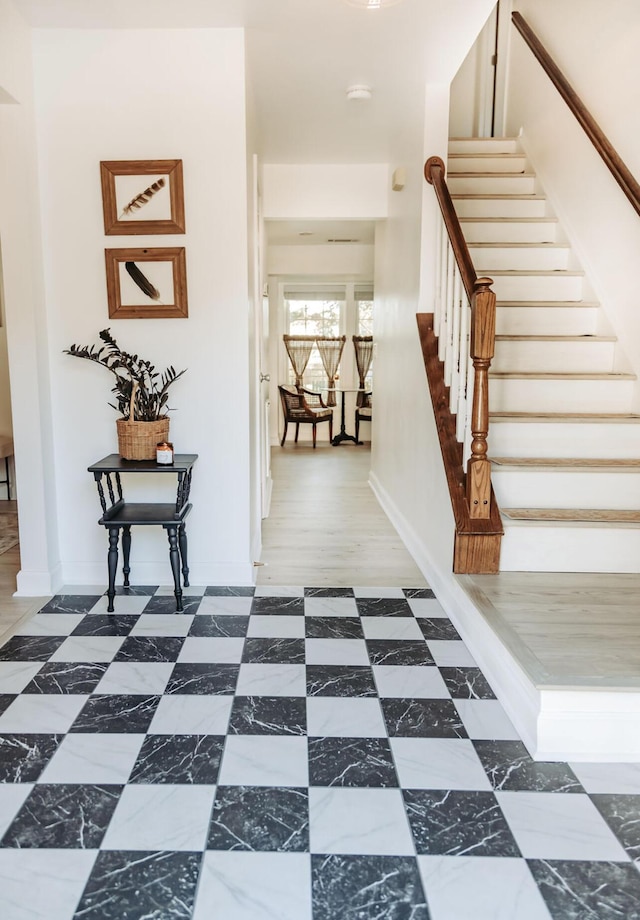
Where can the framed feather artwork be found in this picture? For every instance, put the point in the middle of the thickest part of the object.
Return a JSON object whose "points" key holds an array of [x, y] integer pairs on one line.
{"points": [[142, 196], [146, 283]]}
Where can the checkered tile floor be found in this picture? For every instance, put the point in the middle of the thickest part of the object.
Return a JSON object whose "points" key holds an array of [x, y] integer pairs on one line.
{"points": [[300, 754]]}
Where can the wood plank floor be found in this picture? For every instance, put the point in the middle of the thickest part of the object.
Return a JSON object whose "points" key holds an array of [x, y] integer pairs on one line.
{"points": [[13, 610], [326, 527]]}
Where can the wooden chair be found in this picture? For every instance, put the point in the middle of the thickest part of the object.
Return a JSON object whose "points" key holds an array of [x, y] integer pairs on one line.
{"points": [[304, 407], [363, 414]]}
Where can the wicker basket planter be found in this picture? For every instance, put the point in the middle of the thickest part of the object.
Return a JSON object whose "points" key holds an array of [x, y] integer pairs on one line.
{"points": [[138, 440]]}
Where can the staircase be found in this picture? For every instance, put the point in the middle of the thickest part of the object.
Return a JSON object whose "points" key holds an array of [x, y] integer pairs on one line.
{"points": [[564, 441]]}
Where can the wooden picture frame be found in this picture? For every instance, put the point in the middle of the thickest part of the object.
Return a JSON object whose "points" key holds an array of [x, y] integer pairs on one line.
{"points": [[156, 291], [142, 196]]}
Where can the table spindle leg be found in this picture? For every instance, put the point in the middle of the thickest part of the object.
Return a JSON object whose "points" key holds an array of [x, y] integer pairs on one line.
{"points": [[174, 558], [112, 565], [182, 541], [126, 554]]}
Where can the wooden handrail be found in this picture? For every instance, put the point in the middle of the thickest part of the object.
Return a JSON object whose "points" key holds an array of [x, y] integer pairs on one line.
{"points": [[620, 172], [481, 343]]}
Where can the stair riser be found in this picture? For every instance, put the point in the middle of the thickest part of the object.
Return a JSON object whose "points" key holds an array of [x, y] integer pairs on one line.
{"points": [[541, 548], [491, 185], [556, 395], [564, 439], [500, 207], [507, 258], [484, 145], [478, 231], [585, 357], [507, 163], [566, 489], [546, 320], [534, 287]]}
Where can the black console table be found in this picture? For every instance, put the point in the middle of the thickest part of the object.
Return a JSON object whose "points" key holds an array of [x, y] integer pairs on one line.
{"points": [[122, 515]]}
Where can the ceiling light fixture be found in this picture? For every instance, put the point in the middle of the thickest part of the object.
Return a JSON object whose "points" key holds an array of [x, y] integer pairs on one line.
{"points": [[372, 4], [359, 91]]}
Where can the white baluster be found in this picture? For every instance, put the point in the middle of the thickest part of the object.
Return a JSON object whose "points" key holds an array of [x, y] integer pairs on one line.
{"points": [[461, 411], [455, 337], [448, 357]]}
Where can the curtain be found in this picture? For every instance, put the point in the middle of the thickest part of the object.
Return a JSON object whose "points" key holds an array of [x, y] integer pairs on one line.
{"points": [[363, 345], [331, 352], [299, 350]]}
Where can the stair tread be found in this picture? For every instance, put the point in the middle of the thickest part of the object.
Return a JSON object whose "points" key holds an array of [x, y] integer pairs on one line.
{"points": [[581, 515], [519, 155], [568, 462], [587, 337], [498, 196], [508, 220], [533, 272], [547, 303], [452, 174], [484, 140], [570, 417], [561, 375], [507, 244]]}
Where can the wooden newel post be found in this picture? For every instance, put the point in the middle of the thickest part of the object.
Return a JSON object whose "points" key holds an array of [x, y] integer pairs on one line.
{"points": [[482, 343]]}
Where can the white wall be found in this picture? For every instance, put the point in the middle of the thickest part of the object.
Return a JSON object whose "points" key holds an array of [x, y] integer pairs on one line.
{"points": [[325, 192], [596, 46], [335, 259], [148, 94]]}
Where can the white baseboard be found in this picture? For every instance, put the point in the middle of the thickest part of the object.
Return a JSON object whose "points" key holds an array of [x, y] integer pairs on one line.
{"points": [[35, 584]]}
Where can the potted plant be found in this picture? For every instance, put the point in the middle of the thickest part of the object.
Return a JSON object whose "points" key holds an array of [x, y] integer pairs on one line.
{"points": [[141, 395]]}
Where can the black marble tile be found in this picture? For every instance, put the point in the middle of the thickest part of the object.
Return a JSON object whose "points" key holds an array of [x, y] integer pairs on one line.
{"points": [[67, 677], [226, 591], [138, 884], [367, 888], [418, 592], [24, 757], [622, 814], [207, 624], [437, 628], [30, 648], [576, 890], [167, 604], [351, 762], [195, 678], [333, 628], [273, 651], [264, 819], [418, 718], [62, 816], [279, 606], [268, 715], [70, 603], [467, 684], [453, 823], [328, 592], [111, 712], [383, 607], [511, 769], [6, 699], [340, 680], [179, 759], [399, 652], [106, 624], [135, 590], [150, 648]]}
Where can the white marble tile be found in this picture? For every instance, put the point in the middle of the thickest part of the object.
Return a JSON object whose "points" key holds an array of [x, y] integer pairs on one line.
{"points": [[183, 714], [549, 825], [143, 677], [254, 886], [191, 591], [336, 651], [264, 760], [391, 628], [480, 888], [226, 606], [344, 718], [12, 796], [93, 758], [612, 778], [15, 675], [160, 817], [438, 763], [50, 624], [279, 591], [214, 650], [406, 682], [426, 607], [362, 821], [272, 680], [43, 884], [364, 591], [123, 603], [96, 590], [330, 607], [486, 720], [451, 653], [162, 624], [42, 713], [88, 648], [276, 627]]}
